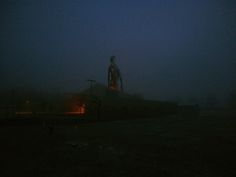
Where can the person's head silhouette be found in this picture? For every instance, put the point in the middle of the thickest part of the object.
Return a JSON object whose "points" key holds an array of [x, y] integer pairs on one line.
{"points": [[112, 59]]}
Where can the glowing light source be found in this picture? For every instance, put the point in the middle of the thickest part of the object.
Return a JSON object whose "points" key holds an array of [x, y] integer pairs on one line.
{"points": [[81, 109], [78, 109]]}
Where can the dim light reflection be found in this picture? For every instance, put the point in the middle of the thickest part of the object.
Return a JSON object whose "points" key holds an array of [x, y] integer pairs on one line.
{"points": [[78, 109]]}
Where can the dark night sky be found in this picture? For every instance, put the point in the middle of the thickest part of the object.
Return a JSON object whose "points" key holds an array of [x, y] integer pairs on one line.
{"points": [[165, 49]]}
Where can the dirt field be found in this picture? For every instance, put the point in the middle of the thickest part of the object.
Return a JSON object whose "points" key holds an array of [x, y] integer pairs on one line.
{"points": [[177, 146]]}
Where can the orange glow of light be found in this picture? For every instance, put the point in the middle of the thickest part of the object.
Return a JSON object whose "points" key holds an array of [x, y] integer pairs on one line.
{"points": [[78, 109], [112, 87], [81, 109]]}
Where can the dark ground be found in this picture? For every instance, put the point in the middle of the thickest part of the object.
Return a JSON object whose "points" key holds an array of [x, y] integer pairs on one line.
{"points": [[176, 146]]}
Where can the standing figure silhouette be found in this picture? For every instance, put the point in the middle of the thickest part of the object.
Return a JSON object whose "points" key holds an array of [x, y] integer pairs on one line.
{"points": [[114, 76]]}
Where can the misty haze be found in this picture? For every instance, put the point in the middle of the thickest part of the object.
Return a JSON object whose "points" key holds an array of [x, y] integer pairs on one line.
{"points": [[117, 88]]}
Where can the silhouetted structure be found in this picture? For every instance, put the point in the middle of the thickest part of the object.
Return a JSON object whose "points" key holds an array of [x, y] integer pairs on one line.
{"points": [[98, 102], [114, 76]]}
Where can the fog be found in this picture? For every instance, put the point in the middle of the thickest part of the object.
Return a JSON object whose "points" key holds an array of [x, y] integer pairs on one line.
{"points": [[166, 50]]}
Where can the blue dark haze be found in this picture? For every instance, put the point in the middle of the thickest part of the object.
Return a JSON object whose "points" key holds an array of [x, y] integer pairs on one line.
{"points": [[166, 49]]}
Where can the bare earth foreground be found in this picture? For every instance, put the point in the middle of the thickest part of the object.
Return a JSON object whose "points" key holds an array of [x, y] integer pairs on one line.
{"points": [[177, 146]]}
